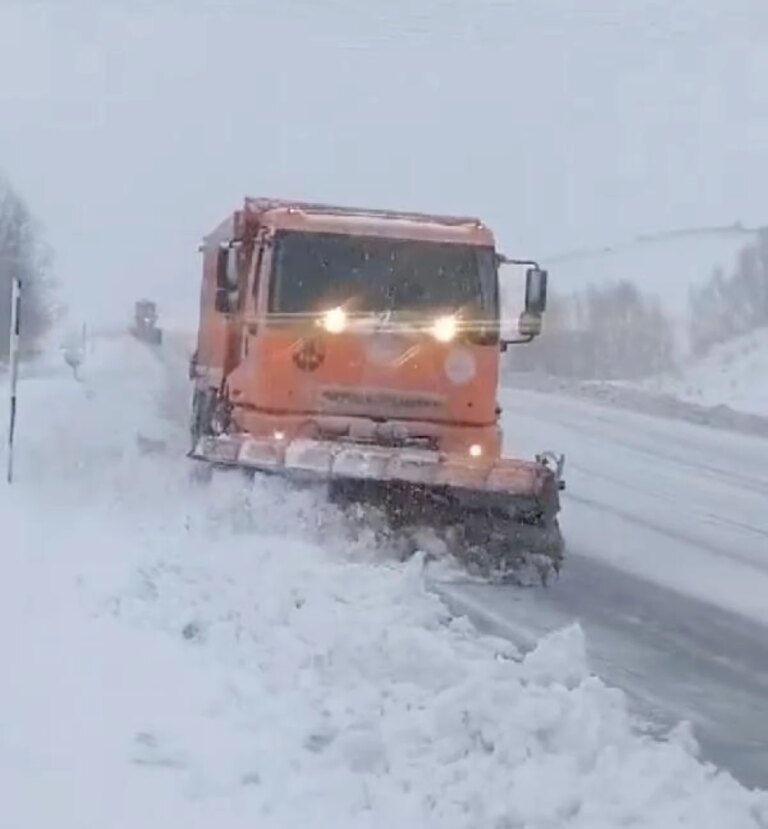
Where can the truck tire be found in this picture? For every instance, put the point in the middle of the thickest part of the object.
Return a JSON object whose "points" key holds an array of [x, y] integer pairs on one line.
{"points": [[200, 421]]}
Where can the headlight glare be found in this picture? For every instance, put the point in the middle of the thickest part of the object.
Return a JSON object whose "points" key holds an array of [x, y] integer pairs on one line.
{"points": [[335, 320], [444, 329]]}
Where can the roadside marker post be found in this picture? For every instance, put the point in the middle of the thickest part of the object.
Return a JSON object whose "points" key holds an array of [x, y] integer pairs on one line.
{"points": [[14, 368]]}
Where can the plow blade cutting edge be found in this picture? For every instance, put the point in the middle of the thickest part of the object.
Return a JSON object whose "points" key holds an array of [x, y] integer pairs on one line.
{"points": [[498, 516]]}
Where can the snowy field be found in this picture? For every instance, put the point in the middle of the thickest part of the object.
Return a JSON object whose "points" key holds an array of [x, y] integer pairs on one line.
{"points": [[199, 657], [726, 388]]}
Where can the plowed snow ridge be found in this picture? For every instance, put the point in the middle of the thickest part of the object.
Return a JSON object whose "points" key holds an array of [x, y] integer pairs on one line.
{"points": [[200, 657]]}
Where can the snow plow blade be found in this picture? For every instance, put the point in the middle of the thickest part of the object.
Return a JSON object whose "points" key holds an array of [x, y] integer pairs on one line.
{"points": [[500, 516]]}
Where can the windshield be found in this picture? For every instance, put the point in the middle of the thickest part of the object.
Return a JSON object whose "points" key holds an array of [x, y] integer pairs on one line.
{"points": [[316, 271]]}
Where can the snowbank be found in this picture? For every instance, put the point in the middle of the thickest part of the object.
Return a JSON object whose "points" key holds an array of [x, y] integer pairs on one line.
{"points": [[732, 374], [726, 389], [198, 657]]}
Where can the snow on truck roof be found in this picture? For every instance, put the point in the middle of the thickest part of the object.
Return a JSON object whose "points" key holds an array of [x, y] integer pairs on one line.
{"points": [[313, 217]]}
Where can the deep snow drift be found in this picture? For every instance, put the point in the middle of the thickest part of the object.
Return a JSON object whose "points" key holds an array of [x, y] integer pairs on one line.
{"points": [[191, 656]]}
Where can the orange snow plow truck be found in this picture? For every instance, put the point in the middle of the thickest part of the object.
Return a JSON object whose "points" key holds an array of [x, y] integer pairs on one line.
{"points": [[359, 349]]}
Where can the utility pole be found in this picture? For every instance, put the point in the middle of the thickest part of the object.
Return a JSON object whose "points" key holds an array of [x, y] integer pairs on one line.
{"points": [[14, 367]]}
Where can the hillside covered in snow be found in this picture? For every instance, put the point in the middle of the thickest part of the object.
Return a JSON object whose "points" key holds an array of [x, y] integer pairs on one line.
{"points": [[679, 316], [664, 265], [733, 374]]}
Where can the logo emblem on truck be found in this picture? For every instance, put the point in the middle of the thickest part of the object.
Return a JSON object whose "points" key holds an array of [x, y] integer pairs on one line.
{"points": [[460, 365], [385, 349], [309, 356]]}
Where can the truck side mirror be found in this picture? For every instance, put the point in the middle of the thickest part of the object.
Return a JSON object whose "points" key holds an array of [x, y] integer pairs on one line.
{"points": [[530, 323], [535, 291], [227, 279]]}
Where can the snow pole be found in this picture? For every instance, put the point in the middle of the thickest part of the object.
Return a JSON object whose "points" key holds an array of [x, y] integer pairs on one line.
{"points": [[14, 366]]}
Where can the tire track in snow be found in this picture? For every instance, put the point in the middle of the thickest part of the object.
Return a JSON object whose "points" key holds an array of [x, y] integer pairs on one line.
{"points": [[670, 532]]}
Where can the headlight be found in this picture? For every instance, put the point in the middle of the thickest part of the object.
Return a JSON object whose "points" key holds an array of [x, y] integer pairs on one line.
{"points": [[444, 329], [475, 450], [335, 320]]}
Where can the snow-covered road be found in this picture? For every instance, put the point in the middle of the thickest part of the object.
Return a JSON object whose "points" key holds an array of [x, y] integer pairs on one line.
{"points": [[667, 570], [229, 655], [679, 504]]}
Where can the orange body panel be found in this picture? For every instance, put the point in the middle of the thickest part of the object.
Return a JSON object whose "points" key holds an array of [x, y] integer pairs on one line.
{"points": [[314, 383], [293, 378]]}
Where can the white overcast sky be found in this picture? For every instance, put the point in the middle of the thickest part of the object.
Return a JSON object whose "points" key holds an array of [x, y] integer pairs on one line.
{"points": [[133, 127]]}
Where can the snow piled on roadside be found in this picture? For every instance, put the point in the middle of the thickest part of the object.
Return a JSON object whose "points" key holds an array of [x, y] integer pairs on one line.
{"points": [[184, 656], [732, 374]]}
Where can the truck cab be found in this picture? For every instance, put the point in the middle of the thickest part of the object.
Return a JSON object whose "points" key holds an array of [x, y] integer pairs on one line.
{"points": [[374, 326]]}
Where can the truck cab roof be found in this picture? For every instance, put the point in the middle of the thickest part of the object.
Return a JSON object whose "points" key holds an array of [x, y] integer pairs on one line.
{"points": [[311, 217]]}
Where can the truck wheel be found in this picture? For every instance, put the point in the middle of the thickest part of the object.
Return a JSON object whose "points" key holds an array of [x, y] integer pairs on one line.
{"points": [[200, 421]]}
